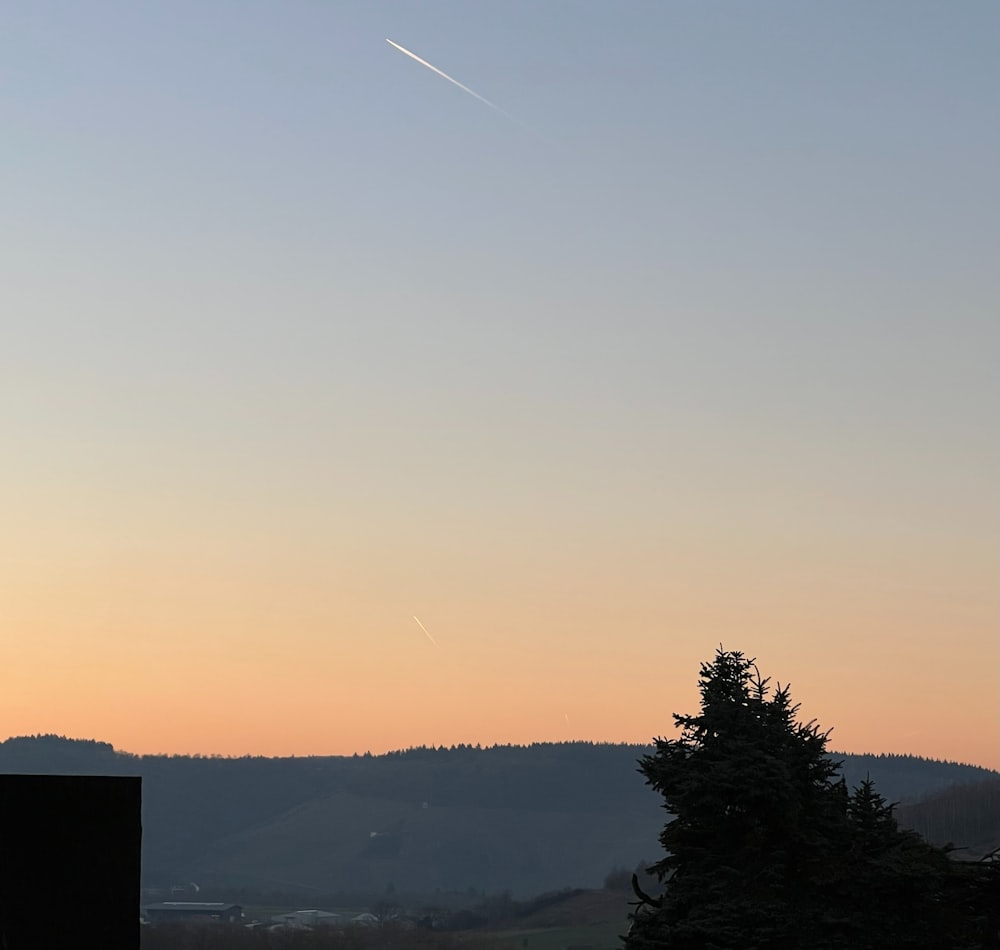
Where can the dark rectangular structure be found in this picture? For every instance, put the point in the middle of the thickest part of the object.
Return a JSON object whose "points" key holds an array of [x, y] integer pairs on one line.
{"points": [[70, 854], [193, 910]]}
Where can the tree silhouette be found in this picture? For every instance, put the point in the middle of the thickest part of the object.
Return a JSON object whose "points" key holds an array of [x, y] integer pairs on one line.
{"points": [[766, 849]]}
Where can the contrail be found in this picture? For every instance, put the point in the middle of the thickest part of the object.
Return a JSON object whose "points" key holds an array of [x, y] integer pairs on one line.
{"points": [[434, 69], [422, 627]]}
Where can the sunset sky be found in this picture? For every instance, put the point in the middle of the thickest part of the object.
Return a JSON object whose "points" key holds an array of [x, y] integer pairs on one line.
{"points": [[299, 341]]}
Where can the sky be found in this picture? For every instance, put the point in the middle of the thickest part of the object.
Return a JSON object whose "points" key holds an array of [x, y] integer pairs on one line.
{"points": [[695, 346]]}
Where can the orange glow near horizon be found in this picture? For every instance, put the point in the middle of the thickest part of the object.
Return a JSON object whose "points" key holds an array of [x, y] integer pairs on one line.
{"points": [[176, 653]]}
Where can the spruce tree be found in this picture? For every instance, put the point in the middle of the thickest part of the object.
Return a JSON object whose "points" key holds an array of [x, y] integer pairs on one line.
{"points": [[767, 850]]}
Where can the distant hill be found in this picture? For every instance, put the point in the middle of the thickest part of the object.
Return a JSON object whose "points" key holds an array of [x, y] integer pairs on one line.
{"points": [[966, 815], [525, 819]]}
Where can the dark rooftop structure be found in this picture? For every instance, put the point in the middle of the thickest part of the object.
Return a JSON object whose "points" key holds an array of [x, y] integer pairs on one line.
{"points": [[187, 910], [71, 842]]}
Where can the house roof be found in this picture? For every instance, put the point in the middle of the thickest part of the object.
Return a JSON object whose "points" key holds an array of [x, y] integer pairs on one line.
{"points": [[192, 905]]}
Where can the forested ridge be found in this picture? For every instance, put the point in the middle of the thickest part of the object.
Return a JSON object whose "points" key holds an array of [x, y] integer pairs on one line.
{"points": [[523, 818]]}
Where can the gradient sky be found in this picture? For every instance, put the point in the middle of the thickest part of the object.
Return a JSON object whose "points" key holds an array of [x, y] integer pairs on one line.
{"points": [[300, 341]]}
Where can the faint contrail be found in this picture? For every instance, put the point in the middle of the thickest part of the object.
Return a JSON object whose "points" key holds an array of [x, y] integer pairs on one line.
{"points": [[423, 62], [429, 637]]}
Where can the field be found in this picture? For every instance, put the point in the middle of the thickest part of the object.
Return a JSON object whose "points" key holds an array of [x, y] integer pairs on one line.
{"points": [[604, 935], [592, 919]]}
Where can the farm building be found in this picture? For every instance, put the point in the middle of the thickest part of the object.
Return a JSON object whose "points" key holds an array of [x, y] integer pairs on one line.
{"points": [[191, 910], [308, 918]]}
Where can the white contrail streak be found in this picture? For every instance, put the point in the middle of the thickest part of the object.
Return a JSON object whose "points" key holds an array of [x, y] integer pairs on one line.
{"points": [[429, 637], [434, 69]]}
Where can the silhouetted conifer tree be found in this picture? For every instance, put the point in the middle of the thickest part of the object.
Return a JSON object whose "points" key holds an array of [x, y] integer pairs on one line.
{"points": [[766, 849]]}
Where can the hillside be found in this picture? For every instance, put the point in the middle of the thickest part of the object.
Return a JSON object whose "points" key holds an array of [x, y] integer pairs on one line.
{"points": [[523, 819], [966, 815], [372, 845]]}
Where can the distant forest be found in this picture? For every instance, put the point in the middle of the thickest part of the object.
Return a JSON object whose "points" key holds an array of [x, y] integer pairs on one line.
{"points": [[524, 819]]}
